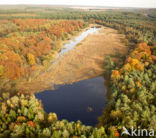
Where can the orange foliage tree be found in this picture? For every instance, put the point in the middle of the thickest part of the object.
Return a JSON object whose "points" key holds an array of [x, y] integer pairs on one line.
{"points": [[30, 40]]}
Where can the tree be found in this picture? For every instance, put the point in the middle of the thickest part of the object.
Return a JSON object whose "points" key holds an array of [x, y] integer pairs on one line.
{"points": [[31, 59], [1, 70]]}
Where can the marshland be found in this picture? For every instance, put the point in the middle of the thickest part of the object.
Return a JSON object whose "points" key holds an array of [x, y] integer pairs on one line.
{"points": [[74, 72]]}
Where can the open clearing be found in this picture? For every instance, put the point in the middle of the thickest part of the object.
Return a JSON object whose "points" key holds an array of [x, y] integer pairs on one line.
{"points": [[86, 60]]}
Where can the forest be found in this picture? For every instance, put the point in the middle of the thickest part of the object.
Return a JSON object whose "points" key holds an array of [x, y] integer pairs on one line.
{"points": [[26, 43], [30, 39]]}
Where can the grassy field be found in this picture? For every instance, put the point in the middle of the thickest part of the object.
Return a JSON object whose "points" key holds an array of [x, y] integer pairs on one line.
{"points": [[82, 62]]}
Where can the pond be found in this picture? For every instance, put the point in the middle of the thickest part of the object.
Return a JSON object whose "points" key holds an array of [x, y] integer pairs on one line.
{"points": [[78, 39], [84, 100]]}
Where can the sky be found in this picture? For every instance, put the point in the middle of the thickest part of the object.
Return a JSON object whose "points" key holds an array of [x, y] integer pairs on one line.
{"points": [[114, 3]]}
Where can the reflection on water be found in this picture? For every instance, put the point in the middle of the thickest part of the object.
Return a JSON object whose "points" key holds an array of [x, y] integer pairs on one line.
{"points": [[78, 39], [83, 100]]}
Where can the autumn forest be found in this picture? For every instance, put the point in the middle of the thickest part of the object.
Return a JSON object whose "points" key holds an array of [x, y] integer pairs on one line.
{"points": [[31, 39]]}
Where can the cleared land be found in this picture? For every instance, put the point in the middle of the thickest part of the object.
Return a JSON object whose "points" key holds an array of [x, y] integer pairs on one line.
{"points": [[86, 60]]}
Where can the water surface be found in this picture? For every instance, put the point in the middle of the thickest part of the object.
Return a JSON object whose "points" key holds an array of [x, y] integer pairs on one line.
{"points": [[78, 39], [84, 100]]}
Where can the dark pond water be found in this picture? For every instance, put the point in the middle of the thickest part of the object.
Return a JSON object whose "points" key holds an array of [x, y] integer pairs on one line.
{"points": [[84, 100]]}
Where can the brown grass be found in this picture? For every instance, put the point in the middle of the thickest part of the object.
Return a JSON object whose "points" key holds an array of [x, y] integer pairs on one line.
{"points": [[84, 61]]}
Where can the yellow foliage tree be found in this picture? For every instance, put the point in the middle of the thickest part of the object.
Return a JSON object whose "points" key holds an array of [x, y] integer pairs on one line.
{"points": [[115, 114], [115, 74], [1, 70], [31, 59]]}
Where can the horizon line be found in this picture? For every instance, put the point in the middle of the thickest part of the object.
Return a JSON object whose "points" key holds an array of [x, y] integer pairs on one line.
{"points": [[76, 5]]}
